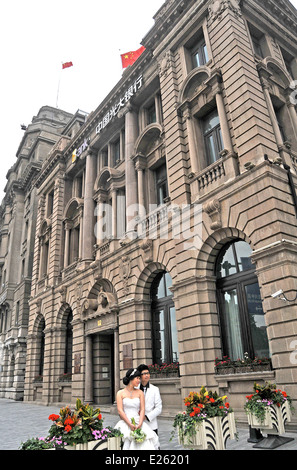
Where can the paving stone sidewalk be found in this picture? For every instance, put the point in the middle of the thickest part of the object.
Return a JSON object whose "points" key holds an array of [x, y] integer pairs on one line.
{"points": [[21, 421]]}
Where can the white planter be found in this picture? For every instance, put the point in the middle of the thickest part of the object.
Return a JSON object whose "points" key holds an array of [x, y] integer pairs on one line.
{"points": [[112, 443], [275, 419], [210, 433]]}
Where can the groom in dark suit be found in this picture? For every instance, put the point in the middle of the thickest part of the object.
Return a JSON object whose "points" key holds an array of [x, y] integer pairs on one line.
{"points": [[153, 401]]}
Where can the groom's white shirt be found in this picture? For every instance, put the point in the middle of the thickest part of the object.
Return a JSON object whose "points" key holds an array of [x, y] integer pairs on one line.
{"points": [[153, 405]]}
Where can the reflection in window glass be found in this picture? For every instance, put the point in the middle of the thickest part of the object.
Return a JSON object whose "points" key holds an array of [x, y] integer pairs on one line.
{"points": [[234, 258], [243, 320], [243, 252], [174, 341], [165, 342], [232, 324], [226, 263], [257, 320]]}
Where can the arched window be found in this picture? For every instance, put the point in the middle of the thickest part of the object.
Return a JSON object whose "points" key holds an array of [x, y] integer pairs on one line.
{"points": [[242, 318], [165, 343], [41, 346], [68, 345]]}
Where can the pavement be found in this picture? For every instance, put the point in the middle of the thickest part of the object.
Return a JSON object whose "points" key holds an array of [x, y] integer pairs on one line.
{"points": [[21, 421]]}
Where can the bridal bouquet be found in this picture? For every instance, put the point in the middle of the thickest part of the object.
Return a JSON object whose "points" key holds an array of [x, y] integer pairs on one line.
{"points": [[138, 435]]}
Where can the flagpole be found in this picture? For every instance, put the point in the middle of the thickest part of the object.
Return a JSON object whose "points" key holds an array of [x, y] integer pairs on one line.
{"points": [[58, 88]]}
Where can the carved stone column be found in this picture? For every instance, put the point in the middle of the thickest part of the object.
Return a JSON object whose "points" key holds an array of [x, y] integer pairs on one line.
{"points": [[114, 213], [67, 243], [116, 363], [131, 134], [191, 140], [140, 165], [89, 208], [89, 396]]}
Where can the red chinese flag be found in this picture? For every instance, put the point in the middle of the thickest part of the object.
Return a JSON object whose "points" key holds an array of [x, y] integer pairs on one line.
{"points": [[66, 65], [130, 57]]}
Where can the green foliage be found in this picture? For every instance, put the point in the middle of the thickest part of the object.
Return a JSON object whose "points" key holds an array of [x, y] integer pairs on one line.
{"points": [[264, 396], [35, 443], [70, 427], [199, 406]]}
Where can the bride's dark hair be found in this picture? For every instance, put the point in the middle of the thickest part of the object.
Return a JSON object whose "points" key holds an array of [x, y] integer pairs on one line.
{"points": [[130, 375]]}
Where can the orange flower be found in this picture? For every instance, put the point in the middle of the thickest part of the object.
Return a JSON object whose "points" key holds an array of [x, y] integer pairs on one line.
{"points": [[68, 428], [212, 400], [68, 421], [227, 405], [192, 414], [100, 416], [53, 417]]}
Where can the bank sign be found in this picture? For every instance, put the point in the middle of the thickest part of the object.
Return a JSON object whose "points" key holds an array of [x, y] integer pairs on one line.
{"points": [[114, 110], [77, 152]]}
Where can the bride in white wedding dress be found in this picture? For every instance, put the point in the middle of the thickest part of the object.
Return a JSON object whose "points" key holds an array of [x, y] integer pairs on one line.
{"points": [[131, 404]]}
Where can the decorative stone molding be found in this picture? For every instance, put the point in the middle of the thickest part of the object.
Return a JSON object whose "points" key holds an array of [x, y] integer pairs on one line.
{"points": [[125, 269], [217, 8], [147, 247], [165, 64], [213, 209]]}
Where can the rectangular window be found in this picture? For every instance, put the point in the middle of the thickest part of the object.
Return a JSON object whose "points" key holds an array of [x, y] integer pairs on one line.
{"points": [[289, 61], [161, 184], [257, 47], [212, 137], [79, 186], [50, 203], [17, 313], [259, 42], [199, 54], [151, 114], [116, 151]]}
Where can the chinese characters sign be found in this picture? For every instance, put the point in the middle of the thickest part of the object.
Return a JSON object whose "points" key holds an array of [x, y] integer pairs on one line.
{"points": [[132, 90]]}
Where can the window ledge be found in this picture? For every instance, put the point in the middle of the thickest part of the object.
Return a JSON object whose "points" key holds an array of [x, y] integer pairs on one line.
{"points": [[223, 380]]}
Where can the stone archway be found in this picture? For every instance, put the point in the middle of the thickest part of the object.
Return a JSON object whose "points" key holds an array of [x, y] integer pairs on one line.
{"points": [[100, 316]]}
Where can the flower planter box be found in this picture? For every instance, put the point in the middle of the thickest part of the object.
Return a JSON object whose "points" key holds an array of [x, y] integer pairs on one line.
{"points": [[112, 443], [163, 375], [225, 370], [210, 433], [275, 419], [238, 369]]}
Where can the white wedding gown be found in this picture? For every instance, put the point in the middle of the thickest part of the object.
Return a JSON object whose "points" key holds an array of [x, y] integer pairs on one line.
{"points": [[131, 408]]}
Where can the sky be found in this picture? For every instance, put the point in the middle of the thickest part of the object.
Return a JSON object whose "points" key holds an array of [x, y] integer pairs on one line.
{"points": [[36, 37]]}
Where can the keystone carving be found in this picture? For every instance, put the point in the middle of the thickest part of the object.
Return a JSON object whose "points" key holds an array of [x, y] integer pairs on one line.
{"points": [[213, 209]]}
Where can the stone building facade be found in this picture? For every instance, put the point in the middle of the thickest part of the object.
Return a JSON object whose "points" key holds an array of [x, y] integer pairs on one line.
{"points": [[18, 213], [173, 215]]}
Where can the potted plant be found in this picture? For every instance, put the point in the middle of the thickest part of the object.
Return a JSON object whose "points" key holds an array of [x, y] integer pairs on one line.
{"points": [[207, 422], [268, 409], [66, 377], [40, 443], [164, 370], [240, 366], [80, 429], [224, 366]]}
